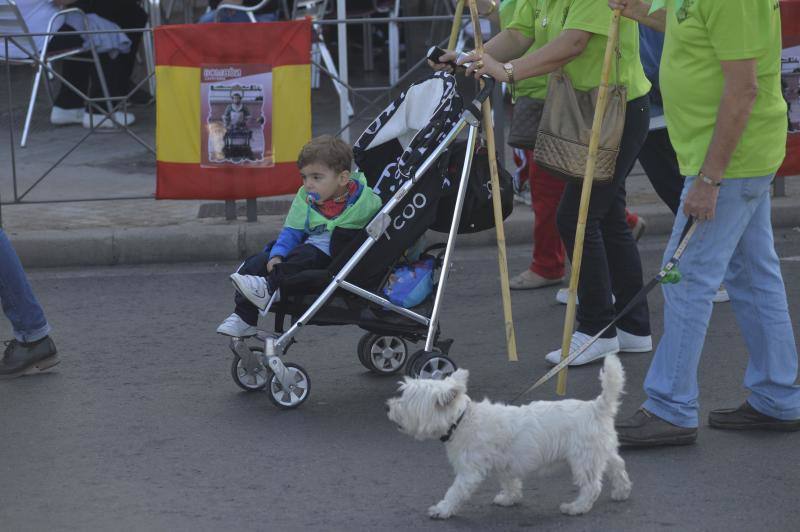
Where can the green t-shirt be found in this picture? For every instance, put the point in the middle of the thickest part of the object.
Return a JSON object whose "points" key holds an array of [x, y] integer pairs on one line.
{"points": [[544, 20], [535, 87], [700, 35]]}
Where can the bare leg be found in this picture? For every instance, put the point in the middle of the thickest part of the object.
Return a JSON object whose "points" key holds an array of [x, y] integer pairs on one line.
{"points": [[462, 489]]}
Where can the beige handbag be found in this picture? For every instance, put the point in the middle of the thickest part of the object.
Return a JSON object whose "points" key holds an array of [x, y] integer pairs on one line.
{"points": [[562, 144], [525, 122]]}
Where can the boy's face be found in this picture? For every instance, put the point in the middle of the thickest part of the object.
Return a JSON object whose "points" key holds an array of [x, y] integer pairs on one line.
{"points": [[322, 183], [237, 99]]}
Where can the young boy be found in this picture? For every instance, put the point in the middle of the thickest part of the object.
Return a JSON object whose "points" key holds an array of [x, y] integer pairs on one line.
{"points": [[328, 210]]}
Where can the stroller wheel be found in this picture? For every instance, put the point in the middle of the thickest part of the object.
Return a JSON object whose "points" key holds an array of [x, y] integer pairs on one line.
{"points": [[249, 381], [384, 355], [297, 393], [435, 365], [360, 349]]}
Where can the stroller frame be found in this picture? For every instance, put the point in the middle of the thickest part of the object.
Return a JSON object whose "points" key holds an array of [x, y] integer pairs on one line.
{"points": [[283, 392]]}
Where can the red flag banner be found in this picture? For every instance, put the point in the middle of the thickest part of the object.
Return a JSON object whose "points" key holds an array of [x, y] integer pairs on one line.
{"points": [[233, 109], [790, 20]]}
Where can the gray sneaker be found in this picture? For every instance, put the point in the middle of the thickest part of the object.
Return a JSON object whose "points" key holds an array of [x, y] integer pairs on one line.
{"points": [[27, 359]]}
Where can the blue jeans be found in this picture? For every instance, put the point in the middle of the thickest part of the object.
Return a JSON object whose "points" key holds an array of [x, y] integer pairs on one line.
{"points": [[19, 303], [737, 246]]}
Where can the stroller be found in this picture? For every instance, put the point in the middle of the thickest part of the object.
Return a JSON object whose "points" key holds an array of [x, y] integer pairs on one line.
{"points": [[406, 155]]}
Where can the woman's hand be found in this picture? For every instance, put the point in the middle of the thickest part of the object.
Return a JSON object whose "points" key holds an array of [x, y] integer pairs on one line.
{"points": [[272, 262], [444, 62], [629, 8], [483, 64]]}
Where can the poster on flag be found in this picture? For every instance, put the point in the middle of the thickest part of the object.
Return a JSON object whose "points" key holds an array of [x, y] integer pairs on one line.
{"points": [[235, 121], [233, 109]]}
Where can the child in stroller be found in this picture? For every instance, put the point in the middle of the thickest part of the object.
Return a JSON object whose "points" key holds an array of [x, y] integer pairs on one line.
{"points": [[328, 210]]}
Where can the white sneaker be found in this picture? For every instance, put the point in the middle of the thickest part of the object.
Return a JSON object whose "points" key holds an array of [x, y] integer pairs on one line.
{"points": [[721, 296], [563, 294], [60, 116], [95, 119], [631, 343], [601, 348], [254, 288], [237, 327]]}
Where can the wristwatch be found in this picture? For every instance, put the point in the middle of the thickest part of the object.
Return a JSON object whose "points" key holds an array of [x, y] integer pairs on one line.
{"points": [[509, 68], [707, 180]]}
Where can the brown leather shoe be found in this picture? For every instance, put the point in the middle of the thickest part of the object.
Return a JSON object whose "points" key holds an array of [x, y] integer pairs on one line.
{"points": [[529, 280], [25, 359], [645, 429], [746, 417]]}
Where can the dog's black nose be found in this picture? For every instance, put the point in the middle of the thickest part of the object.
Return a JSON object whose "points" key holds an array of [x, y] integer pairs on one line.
{"points": [[387, 409]]}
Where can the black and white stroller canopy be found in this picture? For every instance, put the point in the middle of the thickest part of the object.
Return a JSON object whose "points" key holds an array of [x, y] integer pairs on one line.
{"points": [[394, 145]]}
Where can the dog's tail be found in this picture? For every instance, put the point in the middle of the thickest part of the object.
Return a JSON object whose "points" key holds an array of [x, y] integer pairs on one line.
{"points": [[612, 380]]}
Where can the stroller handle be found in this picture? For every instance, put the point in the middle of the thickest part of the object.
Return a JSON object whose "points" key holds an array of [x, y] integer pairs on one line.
{"points": [[434, 53]]}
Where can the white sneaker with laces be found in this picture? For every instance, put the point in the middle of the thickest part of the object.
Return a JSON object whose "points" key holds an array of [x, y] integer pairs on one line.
{"points": [[126, 119], [254, 288], [631, 343], [60, 116], [721, 296], [601, 348], [237, 327]]}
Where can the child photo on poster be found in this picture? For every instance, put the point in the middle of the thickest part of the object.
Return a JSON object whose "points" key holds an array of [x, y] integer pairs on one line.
{"points": [[236, 116]]}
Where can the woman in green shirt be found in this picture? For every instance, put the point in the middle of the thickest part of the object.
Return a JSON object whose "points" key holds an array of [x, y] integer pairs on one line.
{"points": [[572, 35]]}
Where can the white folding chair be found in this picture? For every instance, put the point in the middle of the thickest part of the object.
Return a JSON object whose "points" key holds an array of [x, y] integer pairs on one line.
{"points": [[11, 22], [249, 11], [316, 10]]}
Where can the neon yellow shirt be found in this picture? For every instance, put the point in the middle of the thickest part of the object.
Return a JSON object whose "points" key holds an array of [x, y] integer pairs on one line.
{"points": [[699, 35], [535, 87], [544, 20]]}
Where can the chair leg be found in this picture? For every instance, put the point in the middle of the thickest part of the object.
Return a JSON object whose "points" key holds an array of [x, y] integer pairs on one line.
{"points": [[327, 60], [369, 64], [315, 58], [394, 53], [31, 104]]}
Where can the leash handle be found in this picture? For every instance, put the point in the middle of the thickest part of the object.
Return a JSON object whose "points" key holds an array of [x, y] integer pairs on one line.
{"points": [[686, 235]]}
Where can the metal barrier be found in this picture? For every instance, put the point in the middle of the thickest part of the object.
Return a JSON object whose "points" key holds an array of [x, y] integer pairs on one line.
{"points": [[106, 106], [109, 105]]}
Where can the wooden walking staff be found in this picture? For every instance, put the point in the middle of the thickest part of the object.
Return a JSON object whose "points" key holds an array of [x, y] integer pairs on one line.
{"points": [[586, 194], [451, 44], [488, 128]]}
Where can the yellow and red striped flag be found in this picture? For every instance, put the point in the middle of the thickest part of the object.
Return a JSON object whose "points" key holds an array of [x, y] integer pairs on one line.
{"points": [[233, 107]]}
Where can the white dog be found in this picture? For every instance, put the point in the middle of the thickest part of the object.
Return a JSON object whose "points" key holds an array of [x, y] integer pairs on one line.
{"points": [[511, 441]]}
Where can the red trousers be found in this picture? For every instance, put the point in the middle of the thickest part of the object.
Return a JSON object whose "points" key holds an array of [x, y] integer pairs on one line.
{"points": [[548, 250]]}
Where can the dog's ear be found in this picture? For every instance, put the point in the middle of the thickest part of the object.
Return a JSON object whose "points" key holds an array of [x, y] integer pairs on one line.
{"points": [[460, 377], [445, 396], [456, 384], [403, 384]]}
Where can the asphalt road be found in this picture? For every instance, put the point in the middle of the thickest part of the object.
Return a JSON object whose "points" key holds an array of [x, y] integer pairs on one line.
{"points": [[142, 428]]}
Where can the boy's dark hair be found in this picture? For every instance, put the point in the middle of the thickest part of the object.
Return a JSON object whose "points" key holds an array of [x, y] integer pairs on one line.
{"points": [[331, 151]]}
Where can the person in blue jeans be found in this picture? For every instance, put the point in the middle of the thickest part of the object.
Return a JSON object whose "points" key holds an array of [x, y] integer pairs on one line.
{"points": [[720, 82], [217, 14], [32, 350]]}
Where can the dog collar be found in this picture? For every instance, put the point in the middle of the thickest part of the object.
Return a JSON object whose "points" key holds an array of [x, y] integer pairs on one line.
{"points": [[453, 427]]}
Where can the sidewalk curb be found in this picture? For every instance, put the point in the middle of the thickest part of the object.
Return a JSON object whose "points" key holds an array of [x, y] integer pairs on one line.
{"points": [[231, 241]]}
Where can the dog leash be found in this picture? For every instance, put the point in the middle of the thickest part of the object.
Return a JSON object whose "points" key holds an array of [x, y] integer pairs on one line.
{"points": [[669, 274]]}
